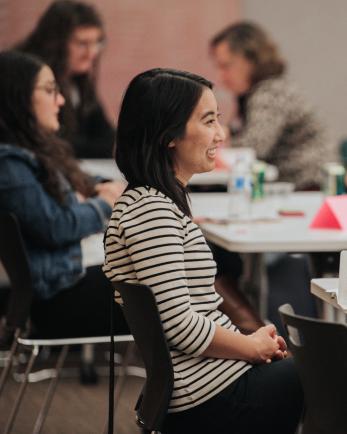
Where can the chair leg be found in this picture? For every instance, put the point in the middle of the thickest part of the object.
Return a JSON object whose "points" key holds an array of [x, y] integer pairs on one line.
{"points": [[122, 374], [7, 368], [50, 391], [88, 374], [21, 391], [119, 385]]}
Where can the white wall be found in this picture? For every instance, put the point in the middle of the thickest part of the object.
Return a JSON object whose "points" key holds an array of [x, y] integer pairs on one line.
{"points": [[312, 35]]}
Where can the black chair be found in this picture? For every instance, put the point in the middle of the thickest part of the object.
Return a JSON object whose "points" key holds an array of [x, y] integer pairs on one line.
{"points": [[141, 313], [320, 353], [13, 328]]}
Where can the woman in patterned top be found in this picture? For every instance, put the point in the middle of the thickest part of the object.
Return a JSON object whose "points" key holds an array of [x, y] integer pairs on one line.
{"points": [[273, 118], [224, 381]]}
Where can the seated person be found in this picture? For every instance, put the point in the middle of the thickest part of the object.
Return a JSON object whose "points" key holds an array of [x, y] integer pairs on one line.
{"points": [[69, 37], [273, 118], [56, 204], [224, 381]]}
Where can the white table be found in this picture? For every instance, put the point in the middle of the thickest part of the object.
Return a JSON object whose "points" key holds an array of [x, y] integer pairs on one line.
{"points": [[108, 169], [285, 234], [326, 290], [105, 167]]}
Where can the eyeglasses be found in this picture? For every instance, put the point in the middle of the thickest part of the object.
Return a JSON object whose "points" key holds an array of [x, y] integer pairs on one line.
{"points": [[84, 45], [50, 89]]}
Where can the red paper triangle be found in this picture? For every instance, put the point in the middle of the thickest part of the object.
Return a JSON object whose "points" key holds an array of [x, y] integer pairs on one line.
{"points": [[338, 205], [326, 218]]}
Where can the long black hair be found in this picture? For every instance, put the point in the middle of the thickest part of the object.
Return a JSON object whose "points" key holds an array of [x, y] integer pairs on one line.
{"points": [[18, 125], [155, 110]]}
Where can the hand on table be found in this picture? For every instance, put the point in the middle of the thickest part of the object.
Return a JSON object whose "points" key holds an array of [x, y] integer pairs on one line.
{"points": [[110, 191], [80, 197]]}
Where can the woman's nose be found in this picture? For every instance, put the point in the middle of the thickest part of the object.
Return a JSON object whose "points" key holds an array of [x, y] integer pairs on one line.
{"points": [[60, 99]]}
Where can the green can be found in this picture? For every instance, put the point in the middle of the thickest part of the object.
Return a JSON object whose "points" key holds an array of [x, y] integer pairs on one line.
{"points": [[334, 183], [258, 178]]}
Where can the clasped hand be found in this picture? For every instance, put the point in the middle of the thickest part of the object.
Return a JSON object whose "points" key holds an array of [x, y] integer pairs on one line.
{"points": [[268, 345]]}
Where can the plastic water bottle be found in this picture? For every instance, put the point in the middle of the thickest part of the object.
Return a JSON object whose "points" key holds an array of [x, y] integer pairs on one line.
{"points": [[239, 189]]}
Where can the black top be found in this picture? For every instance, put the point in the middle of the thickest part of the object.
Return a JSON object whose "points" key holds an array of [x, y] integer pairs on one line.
{"points": [[93, 135]]}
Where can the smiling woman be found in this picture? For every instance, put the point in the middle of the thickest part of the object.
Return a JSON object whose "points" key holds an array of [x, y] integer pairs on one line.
{"points": [[196, 151], [168, 129]]}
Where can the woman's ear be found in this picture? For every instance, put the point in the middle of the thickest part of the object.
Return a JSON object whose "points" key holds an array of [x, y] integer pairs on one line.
{"points": [[172, 144]]}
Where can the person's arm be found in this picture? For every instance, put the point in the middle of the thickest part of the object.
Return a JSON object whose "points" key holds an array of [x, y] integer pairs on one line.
{"points": [[41, 217], [153, 236], [266, 120], [261, 346]]}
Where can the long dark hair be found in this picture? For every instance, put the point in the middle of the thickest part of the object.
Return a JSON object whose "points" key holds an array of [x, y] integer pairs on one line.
{"points": [[18, 125], [49, 41], [155, 110], [251, 41]]}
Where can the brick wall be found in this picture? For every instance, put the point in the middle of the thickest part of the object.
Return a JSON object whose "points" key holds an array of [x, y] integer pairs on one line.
{"points": [[140, 34]]}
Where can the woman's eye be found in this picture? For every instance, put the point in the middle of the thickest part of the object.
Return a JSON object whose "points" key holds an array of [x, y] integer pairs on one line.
{"points": [[211, 121]]}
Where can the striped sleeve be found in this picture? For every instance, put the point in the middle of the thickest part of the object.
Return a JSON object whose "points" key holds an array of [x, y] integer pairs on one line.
{"points": [[153, 233]]}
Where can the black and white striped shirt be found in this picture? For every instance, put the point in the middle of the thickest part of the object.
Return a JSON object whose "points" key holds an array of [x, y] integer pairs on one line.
{"points": [[150, 241]]}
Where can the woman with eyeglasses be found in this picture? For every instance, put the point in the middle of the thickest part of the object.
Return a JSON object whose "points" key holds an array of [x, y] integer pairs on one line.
{"points": [[56, 204], [69, 37]]}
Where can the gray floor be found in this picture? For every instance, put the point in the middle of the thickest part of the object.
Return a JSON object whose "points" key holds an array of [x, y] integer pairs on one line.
{"points": [[76, 409]]}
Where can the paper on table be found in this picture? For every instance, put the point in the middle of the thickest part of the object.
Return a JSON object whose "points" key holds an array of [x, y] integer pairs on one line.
{"points": [[259, 212], [92, 250]]}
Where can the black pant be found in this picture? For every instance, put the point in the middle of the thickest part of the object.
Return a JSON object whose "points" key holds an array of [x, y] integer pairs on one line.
{"points": [[82, 310], [267, 399]]}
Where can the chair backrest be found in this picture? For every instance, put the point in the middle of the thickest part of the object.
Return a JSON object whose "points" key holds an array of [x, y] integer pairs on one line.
{"points": [[14, 258], [320, 353], [141, 313]]}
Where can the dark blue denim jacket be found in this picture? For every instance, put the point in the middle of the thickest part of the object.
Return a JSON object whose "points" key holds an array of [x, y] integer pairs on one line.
{"points": [[52, 232]]}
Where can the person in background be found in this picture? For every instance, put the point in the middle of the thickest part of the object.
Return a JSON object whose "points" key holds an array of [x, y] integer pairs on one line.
{"points": [[168, 130], [272, 117], [69, 37], [56, 204]]}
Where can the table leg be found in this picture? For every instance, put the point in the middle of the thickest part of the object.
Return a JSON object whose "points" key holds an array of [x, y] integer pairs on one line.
{"points": [[255, 281], [340, 316], [329, 312]]}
